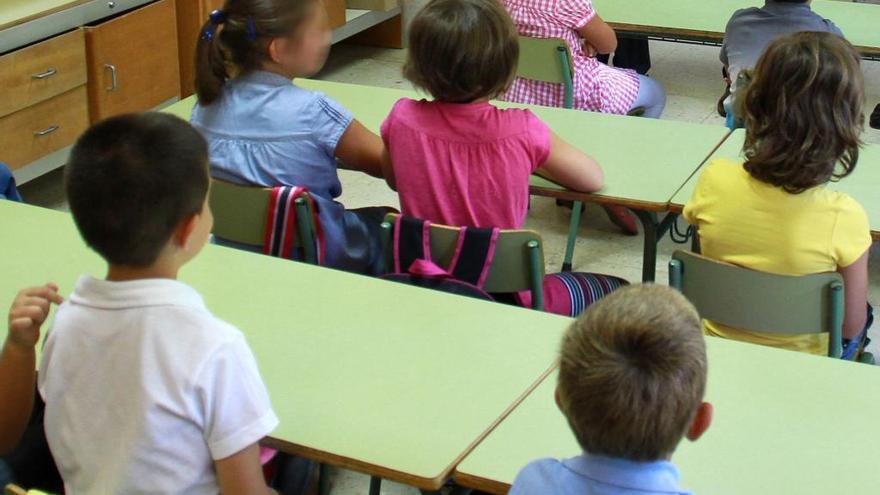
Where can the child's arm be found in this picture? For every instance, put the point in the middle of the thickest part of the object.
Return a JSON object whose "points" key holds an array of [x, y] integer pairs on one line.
{"points": [[18, 360], [571, 168], [361, 150], [855, 283], [242, 474], [598, 35]]}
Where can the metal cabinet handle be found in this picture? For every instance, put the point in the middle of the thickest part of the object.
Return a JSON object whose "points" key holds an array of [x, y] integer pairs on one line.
{"points": [[47, 131], [51, 71], [114, 81]]}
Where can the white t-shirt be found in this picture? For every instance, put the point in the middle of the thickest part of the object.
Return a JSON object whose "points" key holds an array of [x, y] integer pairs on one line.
{"points": [[145, 389]]}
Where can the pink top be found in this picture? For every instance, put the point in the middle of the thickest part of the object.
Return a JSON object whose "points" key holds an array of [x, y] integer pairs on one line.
{"points": [[464, 164], [597, 87]]}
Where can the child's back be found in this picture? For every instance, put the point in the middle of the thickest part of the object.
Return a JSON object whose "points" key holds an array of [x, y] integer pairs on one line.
{"points": [[632, 376], [262, 130], [474, 161], [145, 388], [750, 31], [773, 211]]}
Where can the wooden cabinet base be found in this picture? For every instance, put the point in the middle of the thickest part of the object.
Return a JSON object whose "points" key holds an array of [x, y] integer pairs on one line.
{"points": [[388, 34], [44, 128]]}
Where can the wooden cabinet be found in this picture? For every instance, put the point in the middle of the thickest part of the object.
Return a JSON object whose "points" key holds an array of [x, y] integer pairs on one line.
{"points": [[133, 61], [41, 71], [44, 128]]}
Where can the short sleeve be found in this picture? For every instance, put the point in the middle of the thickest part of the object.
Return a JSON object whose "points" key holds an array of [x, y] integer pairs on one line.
{"points": [[330, 121], [700, 198], [852, 233], [575, 14], [235, 402], [539, 137], [385, 130]]}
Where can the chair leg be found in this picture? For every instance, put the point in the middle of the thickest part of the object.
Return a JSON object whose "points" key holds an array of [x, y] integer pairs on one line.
{"points": [[576, 208], [375, 485]]}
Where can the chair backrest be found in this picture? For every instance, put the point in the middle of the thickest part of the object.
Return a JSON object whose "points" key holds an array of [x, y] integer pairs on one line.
{"points": [[240, 214], [518, 264], [546, 60], [762, 302]]}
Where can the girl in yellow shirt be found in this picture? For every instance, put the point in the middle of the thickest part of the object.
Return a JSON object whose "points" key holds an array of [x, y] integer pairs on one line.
{"points": [[772, 212]]}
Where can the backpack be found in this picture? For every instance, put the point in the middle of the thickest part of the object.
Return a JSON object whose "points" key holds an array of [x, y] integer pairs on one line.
{"points": [[466, 273]]}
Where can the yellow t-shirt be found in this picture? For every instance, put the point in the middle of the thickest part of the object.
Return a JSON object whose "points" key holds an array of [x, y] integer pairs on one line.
{"points": [[749, 223]]}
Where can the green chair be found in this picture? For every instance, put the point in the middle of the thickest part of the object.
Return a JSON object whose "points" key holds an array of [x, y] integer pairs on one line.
{"points": [[762, 302], [518, 264], [240, 216], [549, 60]]}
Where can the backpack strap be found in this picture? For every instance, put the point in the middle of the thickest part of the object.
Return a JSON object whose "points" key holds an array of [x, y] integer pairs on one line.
{"points": [[281, 228], [412, 242], [474, 254]]}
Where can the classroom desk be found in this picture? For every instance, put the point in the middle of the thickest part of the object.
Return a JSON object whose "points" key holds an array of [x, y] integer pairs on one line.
{"points": [[785, 423], [704, 21], [641, 175], [383, 378], [863, 184]]}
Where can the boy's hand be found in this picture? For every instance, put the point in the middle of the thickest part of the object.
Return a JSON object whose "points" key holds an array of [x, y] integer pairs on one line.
{"points": [[589, 50], [28, 313]]}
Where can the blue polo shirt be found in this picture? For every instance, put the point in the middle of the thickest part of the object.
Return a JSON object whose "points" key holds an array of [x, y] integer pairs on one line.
{"points": [[596, 475], [750, 31]]}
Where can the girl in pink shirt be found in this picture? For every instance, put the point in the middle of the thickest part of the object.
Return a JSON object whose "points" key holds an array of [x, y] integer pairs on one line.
{"points": [[458, 160]]}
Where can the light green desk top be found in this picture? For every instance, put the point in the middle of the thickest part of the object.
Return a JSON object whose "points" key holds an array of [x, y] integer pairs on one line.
{"points": [[384, 378], [785, 423], [645, 160], [14, 12], [707, 19], [863, 184]]}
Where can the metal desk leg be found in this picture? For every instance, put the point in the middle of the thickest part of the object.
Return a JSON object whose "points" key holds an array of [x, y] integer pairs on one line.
{"points": [[375, 485], [576, 208], [654, 230]]}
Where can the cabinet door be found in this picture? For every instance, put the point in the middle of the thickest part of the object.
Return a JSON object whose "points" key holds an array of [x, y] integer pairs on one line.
{"points": [[132, 61], [191, 16]]}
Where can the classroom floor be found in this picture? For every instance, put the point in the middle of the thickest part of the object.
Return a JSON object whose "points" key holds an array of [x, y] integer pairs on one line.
{"points": [[691, 75]]}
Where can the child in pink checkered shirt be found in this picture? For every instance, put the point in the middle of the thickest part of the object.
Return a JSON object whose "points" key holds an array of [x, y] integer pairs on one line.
{"points": [[597, 87]]}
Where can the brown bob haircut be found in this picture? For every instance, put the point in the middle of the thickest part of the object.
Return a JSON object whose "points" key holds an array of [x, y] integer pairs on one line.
{"points": [[462, 50], [803, 112], [633, 373]]}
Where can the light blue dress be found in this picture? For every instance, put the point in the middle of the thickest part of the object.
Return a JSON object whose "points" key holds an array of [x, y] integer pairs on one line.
{"points": [[266, 131]]}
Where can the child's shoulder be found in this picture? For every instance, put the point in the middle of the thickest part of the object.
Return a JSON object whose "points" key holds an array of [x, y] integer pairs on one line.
{"points": [[539, 476]]}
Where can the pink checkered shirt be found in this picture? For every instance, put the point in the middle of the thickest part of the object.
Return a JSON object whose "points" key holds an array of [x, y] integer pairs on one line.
{"points": [[597, 87]]}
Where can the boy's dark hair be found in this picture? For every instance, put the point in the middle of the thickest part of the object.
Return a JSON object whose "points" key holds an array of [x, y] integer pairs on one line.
{"points": [[131, 180], [803, 112], [235, 40], [462, 50], [633, 373]]}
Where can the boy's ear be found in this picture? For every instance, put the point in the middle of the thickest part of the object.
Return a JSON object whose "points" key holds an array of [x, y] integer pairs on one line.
{"points": [[558, 396], [184, 230], [701, 422]]}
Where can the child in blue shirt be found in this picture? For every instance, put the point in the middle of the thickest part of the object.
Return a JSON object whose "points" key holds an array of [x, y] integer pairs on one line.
{"points": [[751, 30], [631, 380], [262, 130]]}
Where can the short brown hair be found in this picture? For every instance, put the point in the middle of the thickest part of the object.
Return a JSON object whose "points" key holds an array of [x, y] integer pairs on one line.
{"points": [[462, 50], [803, 112], [633, 373]]}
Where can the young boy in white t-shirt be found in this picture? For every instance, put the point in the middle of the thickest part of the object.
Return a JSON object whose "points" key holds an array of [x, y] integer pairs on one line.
{"points": [[146, 391]]}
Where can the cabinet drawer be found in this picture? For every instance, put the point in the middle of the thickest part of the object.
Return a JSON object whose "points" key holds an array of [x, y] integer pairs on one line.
{"points": [[132, 61], [41, 71], [44, 128]]}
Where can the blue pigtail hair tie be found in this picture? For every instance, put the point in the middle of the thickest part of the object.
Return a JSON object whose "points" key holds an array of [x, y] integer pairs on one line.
{"points": [[217, 18], [251, 29]]}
